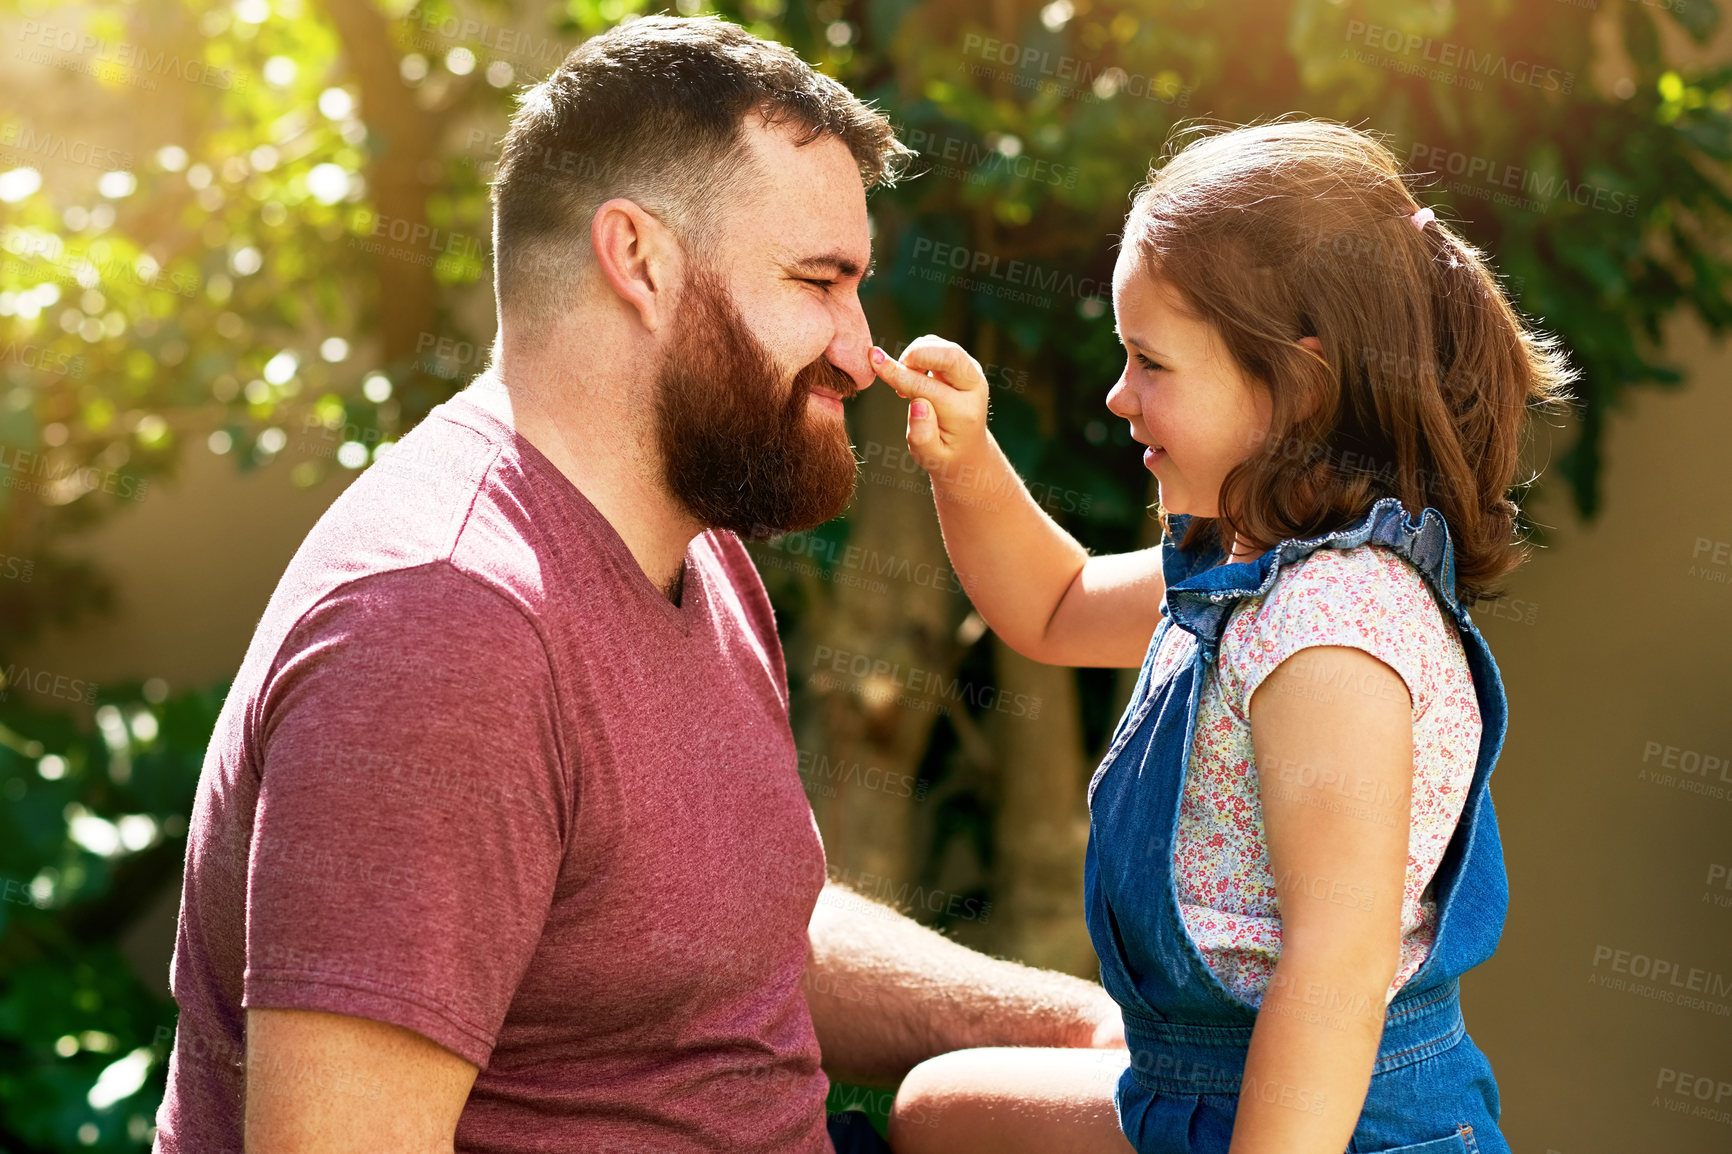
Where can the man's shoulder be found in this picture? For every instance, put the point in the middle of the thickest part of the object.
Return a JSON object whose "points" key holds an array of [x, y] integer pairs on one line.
{"points": [[436, 597], [397, 543], [407, 508]]}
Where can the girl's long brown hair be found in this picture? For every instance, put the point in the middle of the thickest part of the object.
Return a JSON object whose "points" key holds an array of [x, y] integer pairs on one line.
{"points": [[1294, 228]]}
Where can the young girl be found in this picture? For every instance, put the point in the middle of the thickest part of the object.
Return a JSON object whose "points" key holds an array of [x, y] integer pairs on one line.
{"points": [[1283, 886]]}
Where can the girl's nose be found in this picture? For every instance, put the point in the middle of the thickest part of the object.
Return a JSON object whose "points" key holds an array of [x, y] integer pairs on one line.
{"points": [[1120, 400]]}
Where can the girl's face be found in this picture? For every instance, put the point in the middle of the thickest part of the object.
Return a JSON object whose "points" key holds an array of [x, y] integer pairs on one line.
{"points": [[1182, 391]]}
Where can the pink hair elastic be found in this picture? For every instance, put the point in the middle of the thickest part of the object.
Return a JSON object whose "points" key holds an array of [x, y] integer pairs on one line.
{"points": [[1422, 218]]}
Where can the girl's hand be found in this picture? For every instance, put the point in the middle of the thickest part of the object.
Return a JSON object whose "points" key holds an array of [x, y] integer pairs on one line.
{"points": [[947, 422]]}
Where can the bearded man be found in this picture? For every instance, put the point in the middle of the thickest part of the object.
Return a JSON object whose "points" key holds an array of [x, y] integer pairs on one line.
{"points": [[499, 844]]}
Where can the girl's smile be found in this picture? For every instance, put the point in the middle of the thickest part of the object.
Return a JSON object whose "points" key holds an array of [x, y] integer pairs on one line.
{"points": [[1179, 381]]}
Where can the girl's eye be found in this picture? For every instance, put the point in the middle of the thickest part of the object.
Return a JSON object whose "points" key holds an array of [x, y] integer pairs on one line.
{"points": [[1147, 364]]}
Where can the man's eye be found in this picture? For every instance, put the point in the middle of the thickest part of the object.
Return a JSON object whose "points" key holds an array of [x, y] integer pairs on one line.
{"points": [[819, 282]]}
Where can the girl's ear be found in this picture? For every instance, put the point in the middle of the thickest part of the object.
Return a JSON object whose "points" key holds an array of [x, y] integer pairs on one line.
{"points": [[1315, 346]]}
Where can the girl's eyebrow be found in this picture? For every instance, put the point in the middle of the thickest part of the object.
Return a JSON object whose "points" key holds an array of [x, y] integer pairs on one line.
{"points": [[1140, 344]]}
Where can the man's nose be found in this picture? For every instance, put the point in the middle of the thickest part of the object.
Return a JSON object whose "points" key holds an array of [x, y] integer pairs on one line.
{"points": [[851, 349]]}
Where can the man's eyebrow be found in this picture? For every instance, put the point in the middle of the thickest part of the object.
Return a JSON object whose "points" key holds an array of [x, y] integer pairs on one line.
{"points": [[840, 262]]}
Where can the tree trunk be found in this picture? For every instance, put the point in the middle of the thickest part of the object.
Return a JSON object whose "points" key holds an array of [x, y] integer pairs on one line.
{"points": [[864, 661], [1041, 825], [397, 184], [1042, 818]]}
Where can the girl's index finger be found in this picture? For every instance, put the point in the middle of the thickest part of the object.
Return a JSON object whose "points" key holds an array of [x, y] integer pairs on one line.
{"points": [[906, 381], [946, 359]]}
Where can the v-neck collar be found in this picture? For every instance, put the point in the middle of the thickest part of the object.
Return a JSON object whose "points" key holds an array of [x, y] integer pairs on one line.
{"points": [[692, 591]]}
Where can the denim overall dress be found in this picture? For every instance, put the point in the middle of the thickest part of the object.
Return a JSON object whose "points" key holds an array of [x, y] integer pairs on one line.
{"points": [[1432, 1090]]}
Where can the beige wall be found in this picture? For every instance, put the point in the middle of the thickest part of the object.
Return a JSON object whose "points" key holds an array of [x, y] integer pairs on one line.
{"points": [[193, 564], [1627, 650]]}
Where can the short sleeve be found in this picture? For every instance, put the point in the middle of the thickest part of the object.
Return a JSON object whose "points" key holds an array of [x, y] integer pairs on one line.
{"points": [[1364, 598], [413, 803]]}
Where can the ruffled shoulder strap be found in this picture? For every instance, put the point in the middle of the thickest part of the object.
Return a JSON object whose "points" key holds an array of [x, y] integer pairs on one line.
{"points": [[1201, 593]]}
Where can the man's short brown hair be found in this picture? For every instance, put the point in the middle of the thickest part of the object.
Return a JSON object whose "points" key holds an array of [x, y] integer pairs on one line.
{"points": [[654, 111]]}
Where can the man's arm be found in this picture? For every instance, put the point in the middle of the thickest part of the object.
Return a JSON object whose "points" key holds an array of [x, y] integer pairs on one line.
{"points": [[324, 1083], [887, 993], [405, 848]]}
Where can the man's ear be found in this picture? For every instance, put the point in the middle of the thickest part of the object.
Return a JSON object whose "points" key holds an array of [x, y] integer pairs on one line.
{"points": [[638, 256]]}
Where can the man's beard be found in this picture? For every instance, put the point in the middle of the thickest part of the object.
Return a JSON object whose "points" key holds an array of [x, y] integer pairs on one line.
{"points": [[737, 453]]}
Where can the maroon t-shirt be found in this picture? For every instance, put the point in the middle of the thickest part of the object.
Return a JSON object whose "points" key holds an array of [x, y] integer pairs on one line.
{"points": [[479, 778]]}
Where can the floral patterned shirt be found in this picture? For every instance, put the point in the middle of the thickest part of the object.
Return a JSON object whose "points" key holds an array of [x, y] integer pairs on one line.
{"points": [[1369, 598]]}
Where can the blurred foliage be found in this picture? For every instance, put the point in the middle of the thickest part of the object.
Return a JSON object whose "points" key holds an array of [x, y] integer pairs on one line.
{"points": [[217, 273], [258, 228], [93, 828]]}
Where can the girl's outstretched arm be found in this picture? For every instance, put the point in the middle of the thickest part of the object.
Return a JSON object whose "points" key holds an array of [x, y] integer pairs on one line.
{"points": [[1031, 581], [1339, 873]]}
